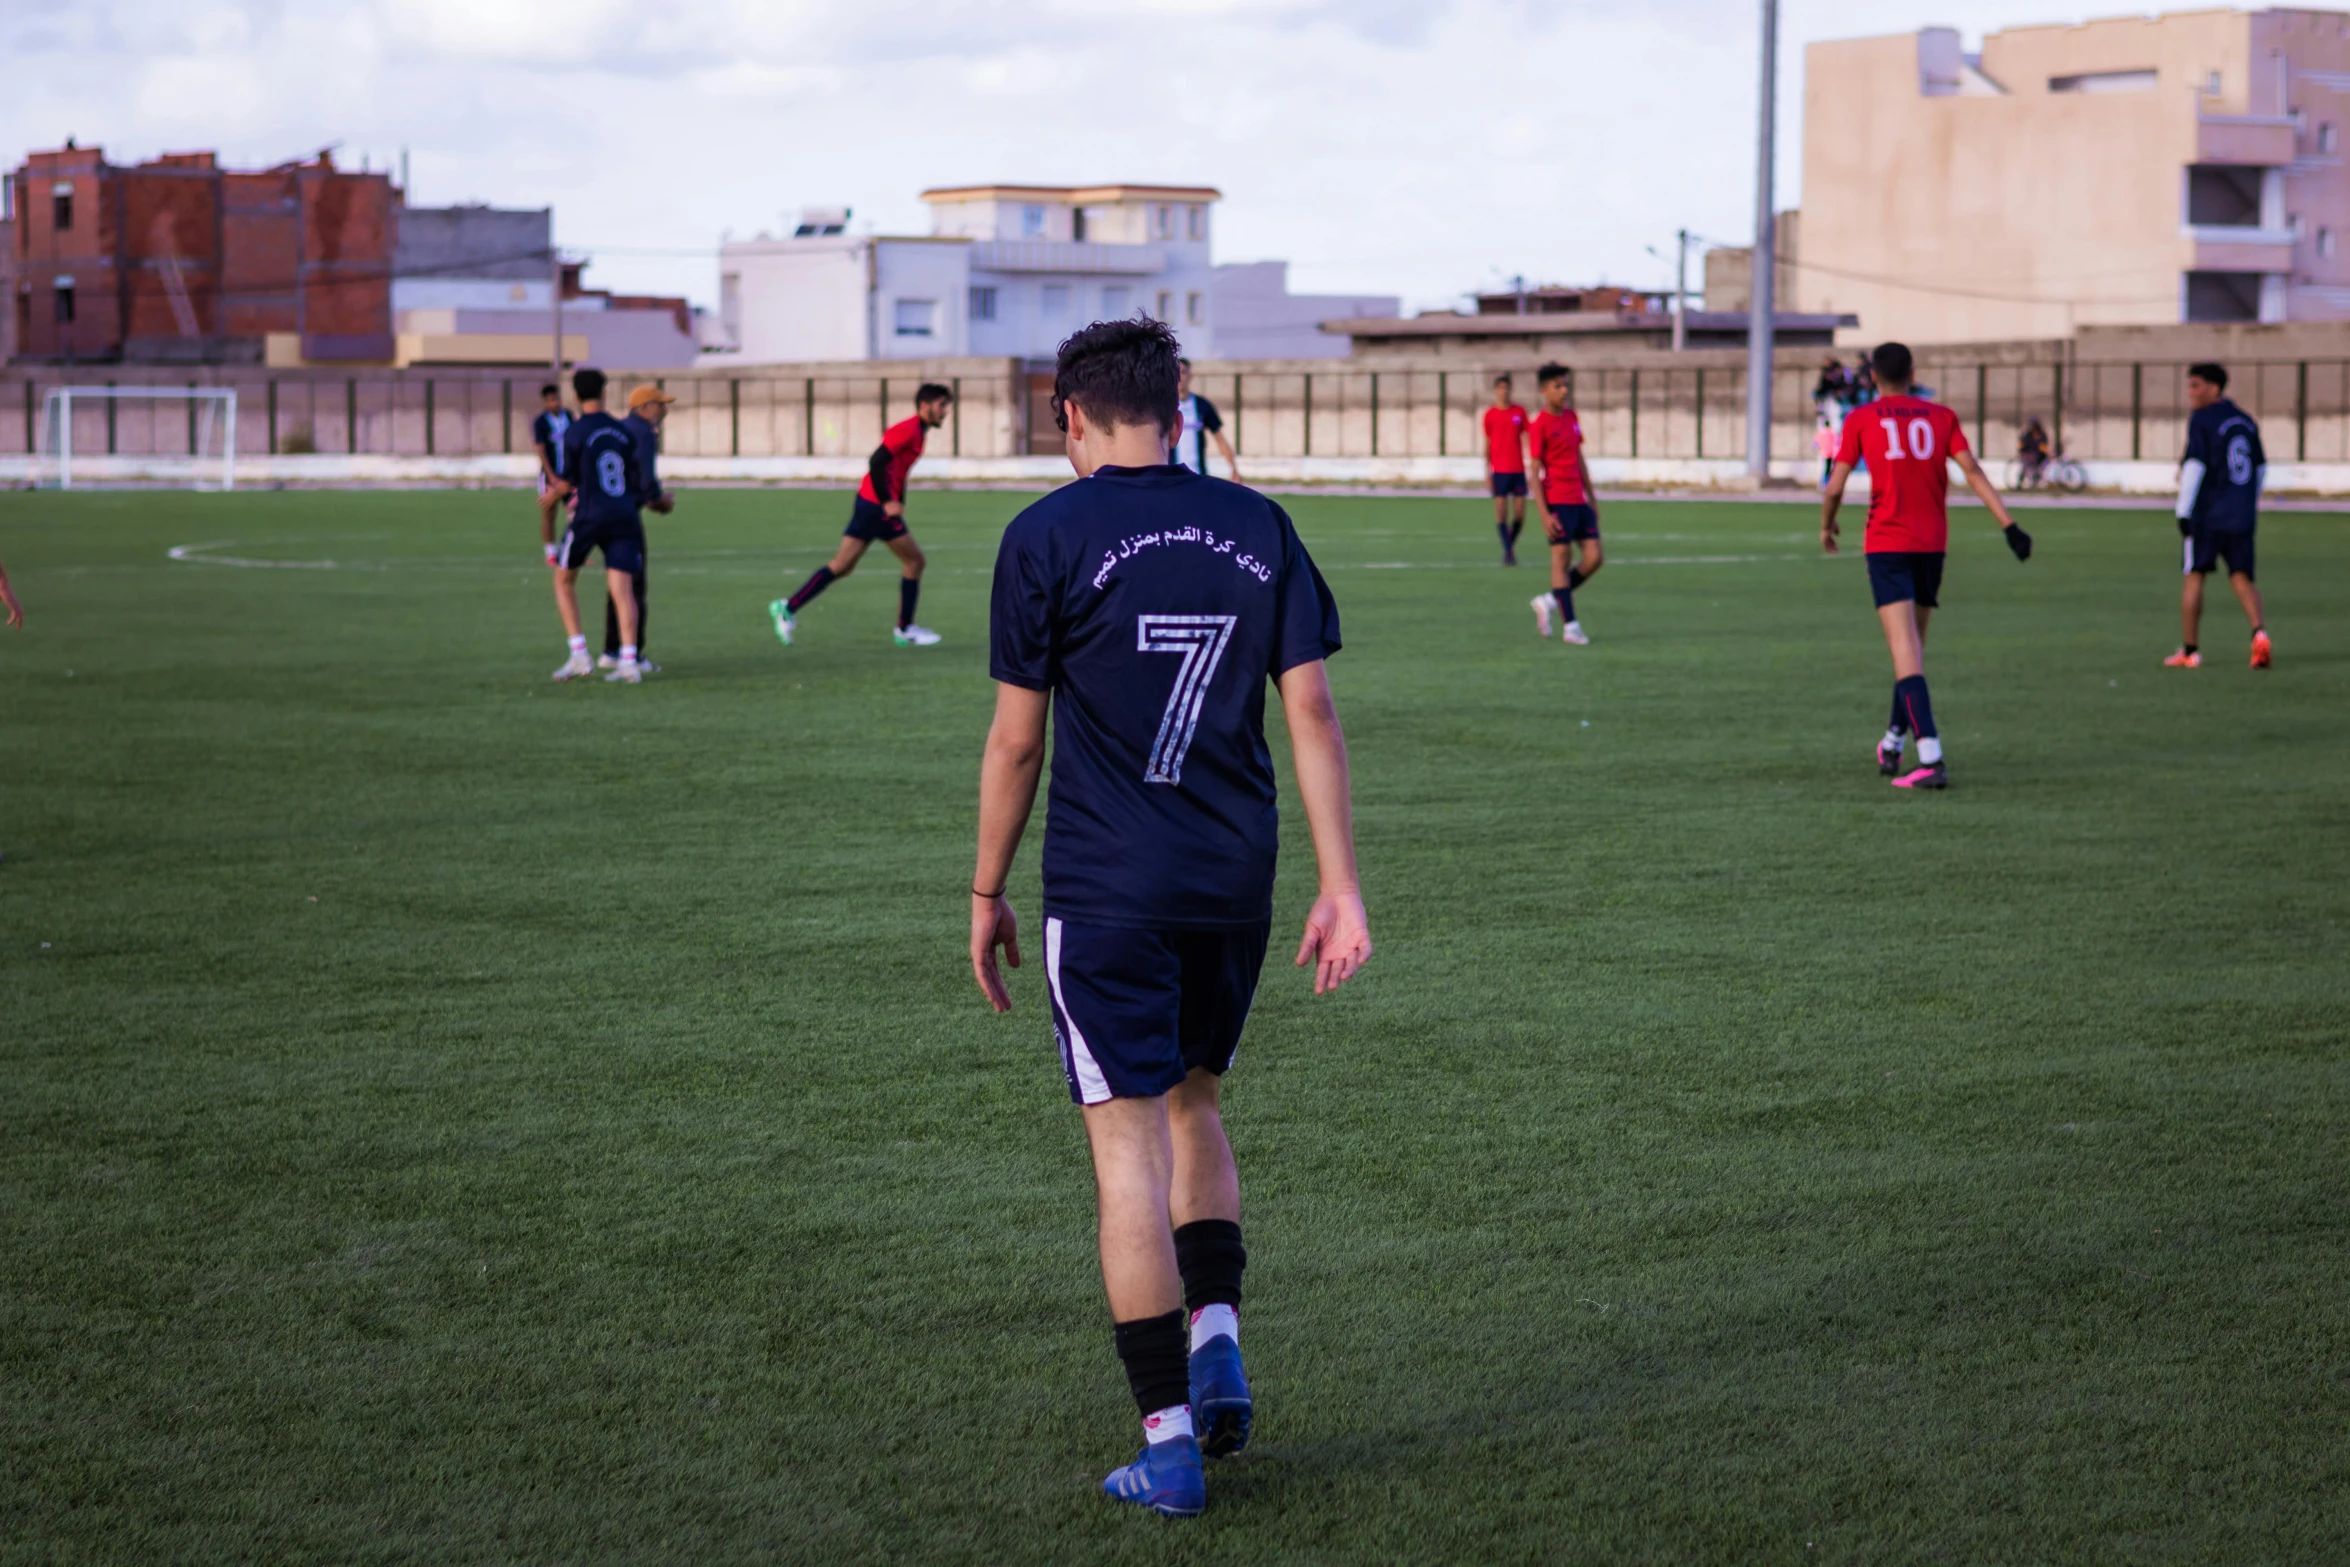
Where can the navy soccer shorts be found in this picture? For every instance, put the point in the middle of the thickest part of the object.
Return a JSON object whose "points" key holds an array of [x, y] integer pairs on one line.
{"points": [[1895, 575], [869, 522], [2203, 552], [1507, 483], [623, 544], [1135, 1011], [1569, 523]]}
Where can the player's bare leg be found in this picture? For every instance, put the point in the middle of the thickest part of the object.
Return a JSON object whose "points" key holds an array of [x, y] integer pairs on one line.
{"points": [[1133, 1177], [1905, 636], [547, 505], [2190, 609], [567, 606], [620, 593], [1594, 557], [1206, 1181], [911, 560]]}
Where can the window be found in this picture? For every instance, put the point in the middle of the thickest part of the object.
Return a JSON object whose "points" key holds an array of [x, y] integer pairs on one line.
{"points": [[65, 301], [61, 205], [2223, 195], [2211, 84], [1195, 305], [2325, 242], [1165, 220], [2326, 137], [1166, 310], [917, 317], [1077, 225], [1196, 222], [1056, 301], [1114, 300], [2222, 296], [1032, 222], [2105, 81], [982, 303]]}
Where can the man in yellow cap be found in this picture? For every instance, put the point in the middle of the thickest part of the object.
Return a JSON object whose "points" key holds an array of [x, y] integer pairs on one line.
{"points": [[647, 405]]}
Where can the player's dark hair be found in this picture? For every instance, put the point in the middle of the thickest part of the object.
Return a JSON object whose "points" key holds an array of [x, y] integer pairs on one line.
{"points": [[2215, 374], [550, 390], [1184, 363], [1501, 380], [1892, 362], [932, 392], [589, 384], [1554, 371], [1122, 372]]}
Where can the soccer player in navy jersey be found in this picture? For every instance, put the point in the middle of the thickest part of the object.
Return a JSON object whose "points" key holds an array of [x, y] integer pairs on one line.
{"points": [[598, 464], [648, 405], [2220, 480], [880, 513], [546, 438], [1144, 608], [1909, 444]]}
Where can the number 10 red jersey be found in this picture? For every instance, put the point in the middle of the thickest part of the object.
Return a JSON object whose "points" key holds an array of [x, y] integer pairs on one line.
{"points": [[1907, 443]]}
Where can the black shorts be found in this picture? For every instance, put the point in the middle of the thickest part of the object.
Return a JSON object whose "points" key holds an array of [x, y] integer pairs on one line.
{"points": [[869, 522], [1507, 483], [1571, 522], [2204, 551], [1895, 575], [1134, 1011], [623, 545]]}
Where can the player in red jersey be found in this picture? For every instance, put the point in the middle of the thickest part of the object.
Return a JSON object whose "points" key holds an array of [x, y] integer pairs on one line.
{"points": [[1908, 443], [880, 513], [1505, 467], [1556, 439]]}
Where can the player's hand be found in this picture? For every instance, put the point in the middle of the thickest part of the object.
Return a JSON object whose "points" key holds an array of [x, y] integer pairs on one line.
{"points": [[893, 508], [1828, 532], [1337, 941], [665, 503], [993, 924], [554, 553], [2017, 540]]}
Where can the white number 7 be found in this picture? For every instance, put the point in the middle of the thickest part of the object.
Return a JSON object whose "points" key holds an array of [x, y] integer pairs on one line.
{"points": [[1201, 640]]}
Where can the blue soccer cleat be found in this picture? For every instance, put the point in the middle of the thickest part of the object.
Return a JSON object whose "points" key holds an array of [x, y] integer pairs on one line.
{"points": [[1164, 1477], [1220, 1402]]}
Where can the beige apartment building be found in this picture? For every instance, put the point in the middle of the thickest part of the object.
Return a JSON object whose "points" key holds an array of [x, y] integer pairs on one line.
{"points": [[2135, 171]]}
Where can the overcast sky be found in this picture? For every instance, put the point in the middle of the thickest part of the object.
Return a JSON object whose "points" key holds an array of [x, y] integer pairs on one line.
{"points": [[1415, 147]]}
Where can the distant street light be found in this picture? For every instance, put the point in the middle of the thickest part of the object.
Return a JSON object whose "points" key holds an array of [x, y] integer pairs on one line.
{"points": [[1763, 272]]}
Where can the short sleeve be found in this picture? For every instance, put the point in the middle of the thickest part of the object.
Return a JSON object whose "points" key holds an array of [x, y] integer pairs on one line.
{"points": [[1209, 419], [1306, 615], [1020, 612], [1958, 443], [1848, 442]]}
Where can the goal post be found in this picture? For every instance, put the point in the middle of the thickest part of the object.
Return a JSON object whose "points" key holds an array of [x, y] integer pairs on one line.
{"points": [[215, 410]]}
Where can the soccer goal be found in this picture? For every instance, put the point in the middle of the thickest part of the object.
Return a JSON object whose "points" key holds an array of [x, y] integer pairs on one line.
{"points": [[212, 460]]}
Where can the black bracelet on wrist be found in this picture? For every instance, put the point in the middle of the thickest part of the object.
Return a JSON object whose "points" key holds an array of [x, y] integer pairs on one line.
{"points": [[991, 896]]}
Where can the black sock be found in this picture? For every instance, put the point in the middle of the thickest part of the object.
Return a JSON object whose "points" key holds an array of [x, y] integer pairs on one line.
{"points": [[1209, 1253], [1575, 578], [1156, 1352], [1911, 696], [809, 589], [611, 626], [909, 589], [1899, 722], [1517, 526], [1565, 598], [1503, 529], [2188, 648]]}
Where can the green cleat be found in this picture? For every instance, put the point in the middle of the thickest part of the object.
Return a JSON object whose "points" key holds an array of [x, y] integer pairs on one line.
{"points": [[781, 611]]}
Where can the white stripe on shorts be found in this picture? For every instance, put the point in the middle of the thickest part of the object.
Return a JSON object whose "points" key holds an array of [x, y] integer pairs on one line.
{"points": [[1092, 1087]]}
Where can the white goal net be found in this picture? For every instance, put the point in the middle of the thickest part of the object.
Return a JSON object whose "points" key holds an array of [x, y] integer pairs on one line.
{"points": [[207, 462]]}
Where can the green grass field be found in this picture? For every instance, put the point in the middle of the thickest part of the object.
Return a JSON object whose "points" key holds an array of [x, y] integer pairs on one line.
{"points": [[448, 1117]]}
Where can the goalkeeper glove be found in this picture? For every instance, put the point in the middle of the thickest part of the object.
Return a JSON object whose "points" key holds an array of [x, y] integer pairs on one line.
{"points": [[2185, 527], [2018, 540]]}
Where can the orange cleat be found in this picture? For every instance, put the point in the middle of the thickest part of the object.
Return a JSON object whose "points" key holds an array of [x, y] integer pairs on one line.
{"points": [[2260, 652], [2183, 659]]}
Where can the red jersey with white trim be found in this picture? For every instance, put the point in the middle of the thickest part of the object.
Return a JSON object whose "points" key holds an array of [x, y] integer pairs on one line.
{"points": [[904, 440], [1558, 441], [1907, 443], [1505, 437]]}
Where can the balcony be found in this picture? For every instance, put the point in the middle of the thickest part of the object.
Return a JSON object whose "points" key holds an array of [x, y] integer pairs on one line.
{"points": [[2261, 141], [1061, 255], [2233, 248]]}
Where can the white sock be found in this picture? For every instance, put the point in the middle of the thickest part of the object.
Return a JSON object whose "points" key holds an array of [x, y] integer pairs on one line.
{"points": [[1209, 1321], [1167, 1424], [1929, 751], [1893, 739], [628, 652], [579, 644]]}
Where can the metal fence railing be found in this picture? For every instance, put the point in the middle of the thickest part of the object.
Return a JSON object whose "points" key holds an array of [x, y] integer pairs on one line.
{"points": [[2096, 411]]}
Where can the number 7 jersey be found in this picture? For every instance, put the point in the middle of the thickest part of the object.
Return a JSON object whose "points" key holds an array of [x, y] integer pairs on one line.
{"points": [[1907, 443], [1154, 604]]}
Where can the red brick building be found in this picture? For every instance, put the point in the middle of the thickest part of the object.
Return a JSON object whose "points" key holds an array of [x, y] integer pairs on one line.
{"points": [[179, 260]]}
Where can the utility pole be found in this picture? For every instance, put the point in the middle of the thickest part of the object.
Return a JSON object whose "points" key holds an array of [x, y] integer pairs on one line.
{"points": [[555, 258], [1681, 292], [1766, 244]]}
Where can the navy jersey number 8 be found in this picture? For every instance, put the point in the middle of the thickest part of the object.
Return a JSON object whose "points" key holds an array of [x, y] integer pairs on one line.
{"points": [[1201, 639], [612, 473]]}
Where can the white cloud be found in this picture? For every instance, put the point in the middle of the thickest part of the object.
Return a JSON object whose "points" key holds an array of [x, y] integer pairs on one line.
{"points": [[1420, 147]]}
